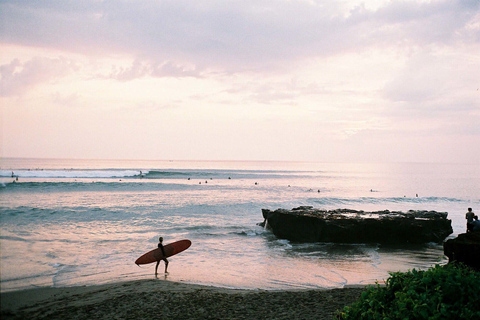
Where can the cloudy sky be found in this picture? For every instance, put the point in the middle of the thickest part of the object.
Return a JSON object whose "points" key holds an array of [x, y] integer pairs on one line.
{"points": [[307, 80]]}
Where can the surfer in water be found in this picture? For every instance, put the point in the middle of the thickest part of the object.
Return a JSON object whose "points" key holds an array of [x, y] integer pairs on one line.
{"points": [[160, 245]]}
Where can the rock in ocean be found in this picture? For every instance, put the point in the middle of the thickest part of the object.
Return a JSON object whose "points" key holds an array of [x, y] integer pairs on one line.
{"points": [[306, 224], [465, 248]]}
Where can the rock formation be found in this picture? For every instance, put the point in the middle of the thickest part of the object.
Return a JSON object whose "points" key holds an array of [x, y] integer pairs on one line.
{"points": [[465, 248], [306, 224]]}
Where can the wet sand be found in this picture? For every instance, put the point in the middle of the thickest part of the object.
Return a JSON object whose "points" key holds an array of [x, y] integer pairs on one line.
{"points": [[162, 299]]}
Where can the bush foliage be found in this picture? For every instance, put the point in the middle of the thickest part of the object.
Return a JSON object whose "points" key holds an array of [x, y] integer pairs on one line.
{"points": [[441, 292]]}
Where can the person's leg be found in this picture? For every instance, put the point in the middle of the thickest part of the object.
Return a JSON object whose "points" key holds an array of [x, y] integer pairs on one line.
{"points": [[156, 267], [166, 264]]}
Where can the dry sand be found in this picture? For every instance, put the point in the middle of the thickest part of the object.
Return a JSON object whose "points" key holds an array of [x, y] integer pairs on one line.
{"points": [[160, 299]]}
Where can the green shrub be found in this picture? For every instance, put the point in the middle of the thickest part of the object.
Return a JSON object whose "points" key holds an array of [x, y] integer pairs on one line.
{"points": [[441, 292]]}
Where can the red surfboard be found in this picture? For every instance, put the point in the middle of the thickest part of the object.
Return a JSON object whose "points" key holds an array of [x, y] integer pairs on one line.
{"points": [[170, 249]]}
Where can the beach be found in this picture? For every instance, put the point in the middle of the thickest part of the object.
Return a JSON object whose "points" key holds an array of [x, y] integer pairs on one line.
{"points": [[71, 231], [72, 223], [163, 299]]}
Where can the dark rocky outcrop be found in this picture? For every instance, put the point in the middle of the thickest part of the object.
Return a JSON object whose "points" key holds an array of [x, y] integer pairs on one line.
{"points": [[306, 224], [465, 248]]}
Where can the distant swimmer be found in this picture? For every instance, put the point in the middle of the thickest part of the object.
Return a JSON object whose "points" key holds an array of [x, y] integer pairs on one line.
{"points": [[13, 174], [160, 245]]}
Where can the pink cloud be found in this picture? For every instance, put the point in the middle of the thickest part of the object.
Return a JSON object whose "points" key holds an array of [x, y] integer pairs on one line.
{"points": [[17, 77]]}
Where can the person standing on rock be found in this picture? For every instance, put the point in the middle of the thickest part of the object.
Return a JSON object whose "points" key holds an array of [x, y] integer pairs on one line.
{"points": [[469, 216], [475, 225]]}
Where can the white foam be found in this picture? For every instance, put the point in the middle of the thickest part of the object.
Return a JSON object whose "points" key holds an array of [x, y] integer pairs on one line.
{"points": [[71, 173]]}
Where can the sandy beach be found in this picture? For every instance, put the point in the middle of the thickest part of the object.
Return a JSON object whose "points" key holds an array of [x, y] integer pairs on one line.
{"points": [[163, 299]]}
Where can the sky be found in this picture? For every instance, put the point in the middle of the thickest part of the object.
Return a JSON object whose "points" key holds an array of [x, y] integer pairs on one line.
{"points": [[296, 80]]}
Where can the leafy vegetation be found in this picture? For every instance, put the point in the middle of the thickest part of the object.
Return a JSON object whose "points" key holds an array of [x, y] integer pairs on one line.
{"points": [[441, 292]]}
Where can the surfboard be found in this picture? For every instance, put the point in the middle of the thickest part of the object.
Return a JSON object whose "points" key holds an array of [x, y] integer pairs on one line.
{"points": [[170, 250]]}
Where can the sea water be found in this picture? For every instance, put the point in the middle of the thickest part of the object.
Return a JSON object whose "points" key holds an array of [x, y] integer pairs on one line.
{"points": [[83, 222]]}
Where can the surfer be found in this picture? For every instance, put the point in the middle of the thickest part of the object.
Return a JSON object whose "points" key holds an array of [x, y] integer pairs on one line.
{"points": [[160, 245]]}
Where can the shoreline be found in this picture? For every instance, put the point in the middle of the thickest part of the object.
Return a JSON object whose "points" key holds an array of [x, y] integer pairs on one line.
{"points": [[174, 300]]}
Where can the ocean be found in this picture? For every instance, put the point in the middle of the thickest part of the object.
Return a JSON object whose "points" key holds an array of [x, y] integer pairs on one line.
{"points": [[84, 222]]}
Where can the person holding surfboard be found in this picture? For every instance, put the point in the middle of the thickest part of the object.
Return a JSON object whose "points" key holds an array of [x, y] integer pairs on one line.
{"points": [[164, 256], [162, 252]]}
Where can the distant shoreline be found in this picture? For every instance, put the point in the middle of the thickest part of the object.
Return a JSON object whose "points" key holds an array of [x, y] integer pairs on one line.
{"points": [[173, 300]]}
